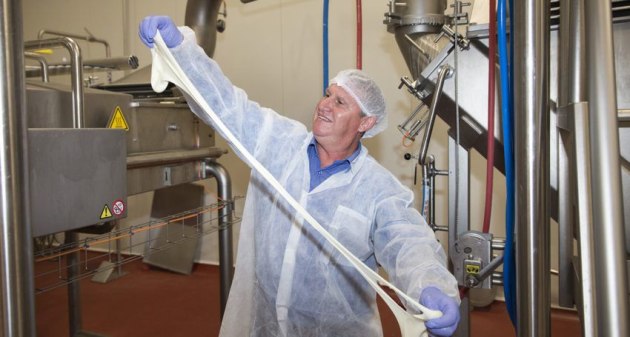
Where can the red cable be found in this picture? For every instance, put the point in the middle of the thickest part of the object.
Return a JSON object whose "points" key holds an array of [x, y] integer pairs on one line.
{"points": [[492, 52], [359, 35]]}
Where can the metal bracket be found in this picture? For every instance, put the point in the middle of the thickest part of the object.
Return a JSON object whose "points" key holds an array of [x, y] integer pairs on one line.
{"points": [[471, 258]]}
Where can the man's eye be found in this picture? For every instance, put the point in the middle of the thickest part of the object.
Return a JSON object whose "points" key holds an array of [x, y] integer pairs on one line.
{"points": [[340, 102]]}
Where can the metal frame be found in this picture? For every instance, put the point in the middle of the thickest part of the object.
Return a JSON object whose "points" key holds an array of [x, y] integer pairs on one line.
{"points": [[459, 213]]}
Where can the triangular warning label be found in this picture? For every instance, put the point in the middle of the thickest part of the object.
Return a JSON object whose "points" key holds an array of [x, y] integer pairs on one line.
{"points": [[106, 213], [118, 121]]}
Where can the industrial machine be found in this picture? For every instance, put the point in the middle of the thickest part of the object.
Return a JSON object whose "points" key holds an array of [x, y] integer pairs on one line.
{"points": [[560, 142], [91, 145], [570, 126]]}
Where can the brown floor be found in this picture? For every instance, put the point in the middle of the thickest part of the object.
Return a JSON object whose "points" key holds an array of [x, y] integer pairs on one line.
{"points": [[148, 302]]}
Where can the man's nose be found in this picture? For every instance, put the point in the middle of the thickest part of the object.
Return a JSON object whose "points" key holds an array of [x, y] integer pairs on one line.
{"points": [[326, 102]]}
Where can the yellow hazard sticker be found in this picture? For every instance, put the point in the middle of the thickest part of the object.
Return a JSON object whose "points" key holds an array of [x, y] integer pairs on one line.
{"points": [[118, 120], [106, 213], [472, 269]]}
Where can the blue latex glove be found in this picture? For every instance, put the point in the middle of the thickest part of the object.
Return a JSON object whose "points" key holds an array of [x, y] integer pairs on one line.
{"points": [[434, 298], [151, 24]]}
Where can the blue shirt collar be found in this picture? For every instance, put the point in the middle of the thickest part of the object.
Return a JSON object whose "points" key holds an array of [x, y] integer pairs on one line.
{"points": [[319, 174]]}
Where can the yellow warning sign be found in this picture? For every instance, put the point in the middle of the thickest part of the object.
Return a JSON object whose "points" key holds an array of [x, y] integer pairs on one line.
{"points": [[472, 269], [118, 120], [106, 213]]}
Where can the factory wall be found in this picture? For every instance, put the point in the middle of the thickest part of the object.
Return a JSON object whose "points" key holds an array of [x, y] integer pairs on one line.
{"points": [[273, 50]]}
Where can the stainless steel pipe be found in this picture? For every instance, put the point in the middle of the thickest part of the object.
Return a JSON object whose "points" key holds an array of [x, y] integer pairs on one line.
{"points": [[16, 255], [584, 207], [571, 90], [531, 111], [78, 115], [226, 264], [114, 63], [43, 64], [611, 284], [89, 38], [172, 157], [445, 72], [574, 168]]}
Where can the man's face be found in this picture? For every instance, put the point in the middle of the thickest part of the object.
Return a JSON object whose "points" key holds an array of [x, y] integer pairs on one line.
{"points": [[337, 116]]}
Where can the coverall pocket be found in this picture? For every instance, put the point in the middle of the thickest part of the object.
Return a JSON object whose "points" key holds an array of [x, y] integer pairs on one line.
{"points": [[352, 230]]}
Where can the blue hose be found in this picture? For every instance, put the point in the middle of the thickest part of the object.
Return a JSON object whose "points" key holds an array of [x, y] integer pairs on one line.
{"points": [[511, 17], [325, 46], [509, 265]]}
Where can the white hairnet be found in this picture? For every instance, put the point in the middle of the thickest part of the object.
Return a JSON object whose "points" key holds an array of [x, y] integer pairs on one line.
{"points": [[367, 94]]}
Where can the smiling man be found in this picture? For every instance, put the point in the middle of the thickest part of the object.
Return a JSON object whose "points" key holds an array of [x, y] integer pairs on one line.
{"points": [[338, 121], [289, 281]]}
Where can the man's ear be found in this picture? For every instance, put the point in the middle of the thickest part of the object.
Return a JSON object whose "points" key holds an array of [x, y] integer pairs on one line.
{"points": [[367, 123]]}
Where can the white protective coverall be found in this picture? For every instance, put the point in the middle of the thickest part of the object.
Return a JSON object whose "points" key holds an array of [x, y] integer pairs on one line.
{"points": [[289, 281]]}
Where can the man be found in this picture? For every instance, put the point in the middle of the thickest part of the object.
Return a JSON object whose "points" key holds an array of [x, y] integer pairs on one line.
{"points": [[289, 281]]}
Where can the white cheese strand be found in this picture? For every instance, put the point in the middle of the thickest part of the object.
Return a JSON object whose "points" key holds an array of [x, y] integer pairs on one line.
{"points": [[166, 69]]}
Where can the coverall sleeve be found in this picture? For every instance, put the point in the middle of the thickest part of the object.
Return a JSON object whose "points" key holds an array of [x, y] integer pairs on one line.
{"points": [[406, 247], [261, 130]]}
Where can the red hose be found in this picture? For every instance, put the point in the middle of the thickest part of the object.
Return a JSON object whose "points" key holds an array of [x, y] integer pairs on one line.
{"points": [[359, 35], [492, 52]]}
